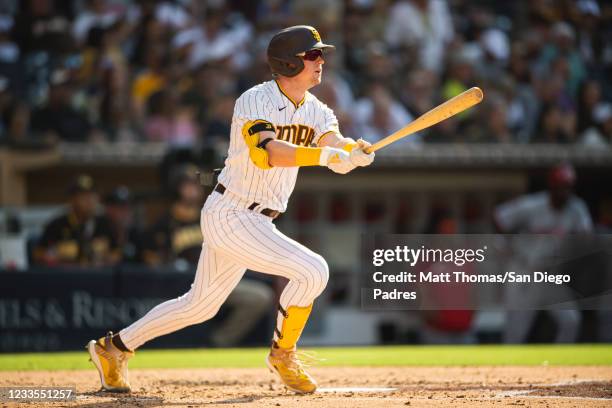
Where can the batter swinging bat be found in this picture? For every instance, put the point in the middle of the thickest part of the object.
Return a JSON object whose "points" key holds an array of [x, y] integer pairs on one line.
{"points": [[436, 115]]}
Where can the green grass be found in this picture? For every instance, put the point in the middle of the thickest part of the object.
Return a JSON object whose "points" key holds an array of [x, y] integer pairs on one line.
{"points": [[583, 354]]}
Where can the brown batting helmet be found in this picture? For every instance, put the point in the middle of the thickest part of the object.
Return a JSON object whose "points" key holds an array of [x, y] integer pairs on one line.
{"points": [[287, 44]]}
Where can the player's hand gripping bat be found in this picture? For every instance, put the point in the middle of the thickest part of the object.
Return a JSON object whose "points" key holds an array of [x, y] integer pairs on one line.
{"points": [[453, 106]]}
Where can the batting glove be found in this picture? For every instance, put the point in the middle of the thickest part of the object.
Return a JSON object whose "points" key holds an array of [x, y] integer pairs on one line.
{"points": [[342, 167], [338, 160], [360, 158]]}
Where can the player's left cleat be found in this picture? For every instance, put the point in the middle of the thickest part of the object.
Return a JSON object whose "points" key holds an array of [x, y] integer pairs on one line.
{"points": [[288, 366], [111, 363]]}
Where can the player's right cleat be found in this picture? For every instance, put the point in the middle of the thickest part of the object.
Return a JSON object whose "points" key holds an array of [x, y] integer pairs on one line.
{"points": [[290, 370], [111, 363]]}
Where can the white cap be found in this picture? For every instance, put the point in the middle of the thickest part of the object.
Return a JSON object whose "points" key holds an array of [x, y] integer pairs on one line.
{"points": [[602, 112], [564, 29], [496, 43], [588, 7]]}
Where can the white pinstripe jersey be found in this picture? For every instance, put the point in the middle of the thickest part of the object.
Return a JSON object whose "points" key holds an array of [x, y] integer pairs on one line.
{"points": [[301, 123]]}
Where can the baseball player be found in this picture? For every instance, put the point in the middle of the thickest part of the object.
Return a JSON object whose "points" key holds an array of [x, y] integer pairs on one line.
{"points": [[277, 127], [553, 213]]}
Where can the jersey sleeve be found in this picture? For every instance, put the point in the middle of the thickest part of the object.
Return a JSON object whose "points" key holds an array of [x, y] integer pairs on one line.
{"points": [[510, 216], [584, 221], [326, 123], [252, 106], [252, 114]]}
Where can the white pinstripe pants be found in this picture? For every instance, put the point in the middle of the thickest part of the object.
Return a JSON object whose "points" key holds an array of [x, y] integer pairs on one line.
{"points": [[235, 239]]}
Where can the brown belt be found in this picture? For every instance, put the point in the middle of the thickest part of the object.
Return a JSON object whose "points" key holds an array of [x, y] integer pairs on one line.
{"points": [[220, 188]]}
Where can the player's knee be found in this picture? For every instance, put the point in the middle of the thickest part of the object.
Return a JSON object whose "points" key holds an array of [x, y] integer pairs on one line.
{"points": [[206, 314], [319, 275], [198, 309]]}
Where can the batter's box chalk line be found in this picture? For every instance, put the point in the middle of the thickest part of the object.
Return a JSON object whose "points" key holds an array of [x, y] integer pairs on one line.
{"points": [[356, 389], [525, 393]]}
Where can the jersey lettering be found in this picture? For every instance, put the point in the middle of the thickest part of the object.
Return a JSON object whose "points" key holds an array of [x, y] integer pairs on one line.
{"points": [[300, 135]]}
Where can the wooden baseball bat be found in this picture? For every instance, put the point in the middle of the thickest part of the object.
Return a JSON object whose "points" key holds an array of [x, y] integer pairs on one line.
{"points": [[453, 106]]}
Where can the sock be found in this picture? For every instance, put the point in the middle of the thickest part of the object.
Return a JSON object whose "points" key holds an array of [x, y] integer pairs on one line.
{"points": [[117, 342]]}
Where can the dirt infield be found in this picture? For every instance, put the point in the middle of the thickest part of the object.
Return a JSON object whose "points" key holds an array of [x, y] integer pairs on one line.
{"points": [[540, 386]]}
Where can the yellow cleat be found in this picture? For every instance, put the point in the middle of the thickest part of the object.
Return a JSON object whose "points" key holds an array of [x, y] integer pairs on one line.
{"points": [[111, 363], [290, 369]]}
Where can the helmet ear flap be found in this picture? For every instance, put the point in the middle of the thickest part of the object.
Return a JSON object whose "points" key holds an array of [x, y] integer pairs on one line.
{"points": [[289, 67], [297, 64]]}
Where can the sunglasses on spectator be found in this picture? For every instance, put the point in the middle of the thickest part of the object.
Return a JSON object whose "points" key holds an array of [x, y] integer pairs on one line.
{"points": [[311, 55]]}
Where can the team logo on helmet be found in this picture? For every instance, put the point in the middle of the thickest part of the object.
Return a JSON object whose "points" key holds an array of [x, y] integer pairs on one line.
{"points": [[316, 35]]}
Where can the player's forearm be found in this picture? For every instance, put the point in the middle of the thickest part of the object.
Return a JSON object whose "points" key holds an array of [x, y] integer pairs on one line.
{"points": [[281, 154], [333, 139], [284, 154]]}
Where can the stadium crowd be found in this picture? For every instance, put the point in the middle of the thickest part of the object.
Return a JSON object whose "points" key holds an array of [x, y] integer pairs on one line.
{"points": [[169, 71]]}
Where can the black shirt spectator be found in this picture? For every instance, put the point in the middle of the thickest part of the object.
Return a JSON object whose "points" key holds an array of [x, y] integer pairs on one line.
{"points": [[79, 237], [177, 235], [58, 119], [120, 216]]}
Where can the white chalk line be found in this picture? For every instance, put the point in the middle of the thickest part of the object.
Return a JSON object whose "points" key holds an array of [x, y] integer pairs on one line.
{"points": [[355, 389]]}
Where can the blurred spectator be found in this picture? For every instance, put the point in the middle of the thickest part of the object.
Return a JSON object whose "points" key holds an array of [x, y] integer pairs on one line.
{"points": [[221, 113], [591, 35], [379, 114], [18, 131], [80, 237], [44, 25], [150, 34], [556, 213], [378, 66], [589, 96], [520, 84], [422, 24], [554, 126], [97, 13], [419, 93], [562, 50], [355, 41], [491, 123], [9, 51], [273, 15], [57, 120], [323, 14], [600, 134], [177, 236], [444, 132], [105, 72], [120, 215], [460, 75], [492, 53], [220, 36], [150, 80], [168, 121]]}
